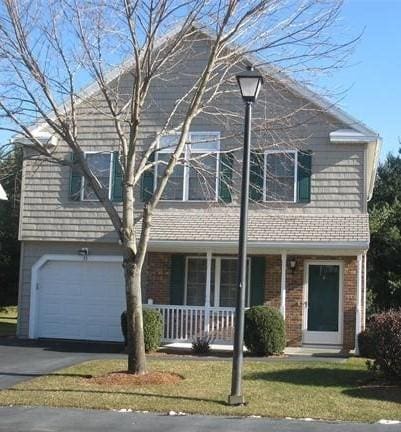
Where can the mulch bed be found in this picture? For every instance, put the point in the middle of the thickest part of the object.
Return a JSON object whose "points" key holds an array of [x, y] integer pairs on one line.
{"points": [[125, 378]]}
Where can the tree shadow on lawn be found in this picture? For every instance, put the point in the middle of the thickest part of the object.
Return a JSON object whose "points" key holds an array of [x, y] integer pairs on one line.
{"points": [[308, 376], [358, 383], [379, 392], [128, 393]]}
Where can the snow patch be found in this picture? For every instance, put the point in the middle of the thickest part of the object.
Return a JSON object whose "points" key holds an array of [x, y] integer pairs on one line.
{"points": [[389, 422]]}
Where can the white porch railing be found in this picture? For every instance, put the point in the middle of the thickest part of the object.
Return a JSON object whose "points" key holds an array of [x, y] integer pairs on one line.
{"points": [[186, 323]]}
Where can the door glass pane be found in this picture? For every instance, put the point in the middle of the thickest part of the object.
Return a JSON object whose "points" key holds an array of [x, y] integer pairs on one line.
{"points": [[323, 298]]}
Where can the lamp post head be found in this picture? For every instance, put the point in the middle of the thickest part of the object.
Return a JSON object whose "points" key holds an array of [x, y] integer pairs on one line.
{"points": [[249, 83]]}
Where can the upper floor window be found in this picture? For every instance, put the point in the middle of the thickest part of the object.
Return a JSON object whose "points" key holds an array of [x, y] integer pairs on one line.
{"points": [[280, 176], [195, 177], [101, 166], [106, 167]]}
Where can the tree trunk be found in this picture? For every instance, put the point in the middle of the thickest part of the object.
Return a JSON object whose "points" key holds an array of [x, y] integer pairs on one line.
{"points": [[136, 346]]}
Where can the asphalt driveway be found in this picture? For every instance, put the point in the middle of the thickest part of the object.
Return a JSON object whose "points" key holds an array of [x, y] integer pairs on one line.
{"points": [[23, 419], [22, 360]]}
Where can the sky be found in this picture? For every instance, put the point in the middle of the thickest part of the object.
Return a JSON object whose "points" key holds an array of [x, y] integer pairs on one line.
{"points": [[373, 77]]}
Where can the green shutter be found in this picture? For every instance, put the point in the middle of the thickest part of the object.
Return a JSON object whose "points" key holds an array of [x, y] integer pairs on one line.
{"points": [[304, 176], [75, 180], [256, 177], [258, 265], [117, 179], [226, 176], [148, 181], [177, 279]]}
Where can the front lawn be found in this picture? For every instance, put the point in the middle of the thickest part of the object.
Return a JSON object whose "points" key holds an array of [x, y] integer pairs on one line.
{"points": [[8, 320], [337, 391]]}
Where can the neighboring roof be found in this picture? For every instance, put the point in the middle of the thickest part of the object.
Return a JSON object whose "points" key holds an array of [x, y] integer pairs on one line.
{"points": [[3, 195], [263, 227]]}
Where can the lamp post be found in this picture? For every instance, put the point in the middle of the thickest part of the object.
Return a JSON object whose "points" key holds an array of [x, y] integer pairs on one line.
{"points": [[249, 83]]}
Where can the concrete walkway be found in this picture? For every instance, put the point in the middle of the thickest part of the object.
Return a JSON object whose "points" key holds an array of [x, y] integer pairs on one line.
{"points": [[21, 419]]}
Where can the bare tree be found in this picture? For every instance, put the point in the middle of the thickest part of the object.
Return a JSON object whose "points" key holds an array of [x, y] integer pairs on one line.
{"points": [[50, 49]]}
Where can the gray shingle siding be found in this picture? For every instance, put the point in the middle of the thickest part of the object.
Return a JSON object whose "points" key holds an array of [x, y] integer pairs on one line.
{"points": [[337, 170]]}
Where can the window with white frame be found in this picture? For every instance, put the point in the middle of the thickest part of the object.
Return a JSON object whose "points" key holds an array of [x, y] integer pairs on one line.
{"points": [[195, 178], [101, 166], [175, 186], [223, 283], [196, 281], [280, 176]]}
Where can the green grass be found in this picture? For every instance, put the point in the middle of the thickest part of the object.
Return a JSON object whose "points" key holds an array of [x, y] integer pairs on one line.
{"points": [[335, 391], [8, 320]]}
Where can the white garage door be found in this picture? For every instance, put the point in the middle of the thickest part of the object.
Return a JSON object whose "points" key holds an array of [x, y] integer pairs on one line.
{"points": [[80, 300]]}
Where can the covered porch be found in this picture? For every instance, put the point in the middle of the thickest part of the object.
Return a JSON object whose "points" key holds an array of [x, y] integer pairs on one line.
{"points": [[321, 294]]}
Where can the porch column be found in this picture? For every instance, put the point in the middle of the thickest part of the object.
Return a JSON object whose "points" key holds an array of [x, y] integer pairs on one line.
{"points": [[207, 292], [358, 301], [283, 282], [365, 260]]}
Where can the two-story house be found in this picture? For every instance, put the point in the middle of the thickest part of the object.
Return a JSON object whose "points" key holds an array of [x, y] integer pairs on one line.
{"points": [[308, 224]]}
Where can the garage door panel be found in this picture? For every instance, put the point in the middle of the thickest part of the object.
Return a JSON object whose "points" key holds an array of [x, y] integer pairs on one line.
{"points": [[81, 300]]}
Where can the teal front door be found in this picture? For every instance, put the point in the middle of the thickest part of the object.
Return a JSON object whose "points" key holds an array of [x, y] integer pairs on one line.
{"points": [[322, 303]]}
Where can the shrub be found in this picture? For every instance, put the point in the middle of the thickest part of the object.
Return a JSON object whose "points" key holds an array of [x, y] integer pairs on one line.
{"points": [[152, 328], [366, 344], [201, 345], [385, 332], [264, 332]]}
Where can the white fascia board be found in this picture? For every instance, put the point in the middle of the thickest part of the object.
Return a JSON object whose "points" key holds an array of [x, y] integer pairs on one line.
{"points": [[46, 139], [350, 136], [372, 177]]}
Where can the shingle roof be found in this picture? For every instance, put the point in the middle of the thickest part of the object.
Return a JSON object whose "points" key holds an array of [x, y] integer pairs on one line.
{"points": [[223, 225]]}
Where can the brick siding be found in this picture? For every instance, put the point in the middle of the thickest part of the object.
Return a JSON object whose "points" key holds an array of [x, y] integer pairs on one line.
{"points": [[157, 285]]}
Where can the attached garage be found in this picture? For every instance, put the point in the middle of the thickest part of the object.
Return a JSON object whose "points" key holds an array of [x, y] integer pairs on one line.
{"points": [[78, 299]]}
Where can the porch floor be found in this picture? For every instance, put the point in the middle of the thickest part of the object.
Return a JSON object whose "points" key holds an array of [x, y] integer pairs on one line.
{"points": [[309, 351]]}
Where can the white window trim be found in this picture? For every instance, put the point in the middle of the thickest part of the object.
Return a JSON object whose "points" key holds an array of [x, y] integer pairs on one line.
{"points": [[217, 278], [83, 180], [185, 188], [295, 152]]}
